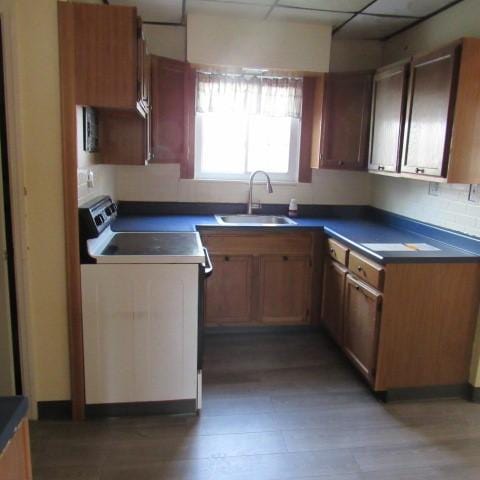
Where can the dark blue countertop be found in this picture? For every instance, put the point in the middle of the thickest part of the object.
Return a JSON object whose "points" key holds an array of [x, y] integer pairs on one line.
{"points": [[351, 231], [12, 411]]}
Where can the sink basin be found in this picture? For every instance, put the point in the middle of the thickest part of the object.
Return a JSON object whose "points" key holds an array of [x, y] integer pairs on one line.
{"points": [[257, 220]]}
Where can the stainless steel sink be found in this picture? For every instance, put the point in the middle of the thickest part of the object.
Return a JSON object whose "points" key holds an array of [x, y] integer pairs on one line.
{"points": [[256, 220]]}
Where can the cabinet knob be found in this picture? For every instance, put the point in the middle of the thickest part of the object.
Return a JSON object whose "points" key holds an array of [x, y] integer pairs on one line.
{"points": [[357, 287], [381, 167], [227, 259], [359, 268], [285, 258], [340, 163], [419, 170], [333, 252]]}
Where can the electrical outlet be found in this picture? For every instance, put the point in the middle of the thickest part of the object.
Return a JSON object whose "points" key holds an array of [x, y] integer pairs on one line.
{"points": [[474, 194], [90, 179], [434, 189]]}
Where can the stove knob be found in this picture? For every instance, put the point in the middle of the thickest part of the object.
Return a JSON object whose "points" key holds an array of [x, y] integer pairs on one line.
{"points": [[99, 220], [108, 211]]}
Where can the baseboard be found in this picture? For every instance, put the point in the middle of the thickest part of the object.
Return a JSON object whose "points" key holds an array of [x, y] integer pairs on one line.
{"points": [[422, 393], [220, 330], [474, 393], [141, 408], [55, 410]]}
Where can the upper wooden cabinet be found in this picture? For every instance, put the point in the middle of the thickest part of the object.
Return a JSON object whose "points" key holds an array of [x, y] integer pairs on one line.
{"points": [[341, 117], [109, 57], [168, 110], [388, 113], [430, 110]]}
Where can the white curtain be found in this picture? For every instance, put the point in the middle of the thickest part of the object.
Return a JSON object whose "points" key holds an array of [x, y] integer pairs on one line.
{"points": [[253, 95]]}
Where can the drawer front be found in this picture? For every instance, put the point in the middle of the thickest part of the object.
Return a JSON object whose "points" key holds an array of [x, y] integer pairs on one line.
{"points": [[278, 243], [337, 251], [368, 271]]}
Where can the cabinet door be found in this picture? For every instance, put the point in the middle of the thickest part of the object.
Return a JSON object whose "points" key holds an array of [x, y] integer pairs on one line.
{"points": [[140, 325], [430, 109], [229, 290], [361, 325], [388, 114], [168, 115], [345, 120], [284, 285], [332, 302], [105, 56]]}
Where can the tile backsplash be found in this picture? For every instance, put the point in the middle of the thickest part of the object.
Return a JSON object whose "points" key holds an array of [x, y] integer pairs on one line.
{"points": [[163, 183], [103, 182], [449, 207]]}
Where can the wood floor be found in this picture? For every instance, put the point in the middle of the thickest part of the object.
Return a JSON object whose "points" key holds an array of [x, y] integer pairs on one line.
{"points": [[276, 406]]}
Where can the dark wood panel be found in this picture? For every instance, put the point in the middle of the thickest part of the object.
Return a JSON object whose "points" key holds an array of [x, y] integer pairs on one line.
{"points": [[388, 116], [105, 55], [304, 168], [122, 137], [168, 110], [345, 121], [430, 110], [187, 168]]}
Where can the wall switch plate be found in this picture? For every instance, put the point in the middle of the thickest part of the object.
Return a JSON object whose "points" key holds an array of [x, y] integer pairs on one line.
{"points": [[474, 194], [434, 189], [90, 179]]}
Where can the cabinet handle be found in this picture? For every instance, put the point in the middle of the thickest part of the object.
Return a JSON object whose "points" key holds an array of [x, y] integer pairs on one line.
{"points": [[381, 168], [227, 259], [333, 252], [357, 287], [419, 170], [359, 268], [285, 258]]}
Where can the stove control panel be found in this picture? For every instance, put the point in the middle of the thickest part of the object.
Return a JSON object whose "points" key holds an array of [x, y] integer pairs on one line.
{"points": [[95, 216]]}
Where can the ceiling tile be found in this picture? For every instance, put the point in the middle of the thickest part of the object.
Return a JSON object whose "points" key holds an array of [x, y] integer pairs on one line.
{"points": [[227, 8], [310, 16], [334, 5], [155, 11], [370, 27], [413, 8]]}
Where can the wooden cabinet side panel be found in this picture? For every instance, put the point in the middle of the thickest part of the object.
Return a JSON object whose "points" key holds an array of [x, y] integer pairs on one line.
{"points": [[106, 55], [168, 110], [15, 462], [428, 324], [464, 166], [317, 122]]}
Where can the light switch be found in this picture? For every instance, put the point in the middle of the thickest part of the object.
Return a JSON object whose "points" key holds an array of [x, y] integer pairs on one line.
{"points": [[434, 189], [90, 179]]}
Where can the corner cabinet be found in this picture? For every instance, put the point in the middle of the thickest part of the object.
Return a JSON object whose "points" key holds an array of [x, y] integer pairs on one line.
{"points": [[341, 118], [259, 278], [388, 114], [395, 322]]}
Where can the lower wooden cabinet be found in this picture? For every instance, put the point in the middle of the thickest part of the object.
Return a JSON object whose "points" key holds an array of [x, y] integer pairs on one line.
{"points": [[229, 290], [259, 278], [332, 302], [361, 325], [284, 286], [15, 463]]}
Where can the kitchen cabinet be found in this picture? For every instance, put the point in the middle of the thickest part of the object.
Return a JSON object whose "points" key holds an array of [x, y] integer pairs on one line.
{"points": [[334, 276], [140, 332], [430, 112], [341, 118], [168, 110], [229, 291], [404, 325], [388, 114], [361, 325], [15, 463], [259, 278], [284, 285]]}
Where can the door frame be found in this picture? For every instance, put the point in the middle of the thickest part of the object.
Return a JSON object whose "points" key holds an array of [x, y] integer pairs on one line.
{"points": [[18, 208]]}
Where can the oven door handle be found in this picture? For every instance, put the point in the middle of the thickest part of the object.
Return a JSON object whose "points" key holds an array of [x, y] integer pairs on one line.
{"points": [[208, 266]]}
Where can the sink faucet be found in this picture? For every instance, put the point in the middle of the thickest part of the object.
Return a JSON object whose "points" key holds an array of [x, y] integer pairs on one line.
{"points": [[250, 192]]}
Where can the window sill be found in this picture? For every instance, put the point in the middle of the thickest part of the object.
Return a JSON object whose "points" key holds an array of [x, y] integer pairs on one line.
{"points": [[246, 181]]}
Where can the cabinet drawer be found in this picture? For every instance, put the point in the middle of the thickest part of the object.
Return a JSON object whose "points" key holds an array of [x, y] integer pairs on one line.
{"points": [[337, 251], [368, 271]]}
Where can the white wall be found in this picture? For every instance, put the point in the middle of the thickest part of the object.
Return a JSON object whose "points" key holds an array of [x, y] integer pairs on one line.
{"points": [[233, 41], [451, 209], [348, 55], [166, 41]]}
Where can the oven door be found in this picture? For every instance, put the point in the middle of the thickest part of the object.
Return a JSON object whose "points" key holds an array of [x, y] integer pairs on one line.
{"points": [[206, 269]]}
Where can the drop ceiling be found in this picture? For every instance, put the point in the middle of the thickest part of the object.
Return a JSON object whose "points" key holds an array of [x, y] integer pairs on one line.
{"points": [[350, 19]]}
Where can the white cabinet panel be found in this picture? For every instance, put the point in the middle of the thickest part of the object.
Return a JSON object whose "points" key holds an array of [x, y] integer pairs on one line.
{"points": [[140, 332]]}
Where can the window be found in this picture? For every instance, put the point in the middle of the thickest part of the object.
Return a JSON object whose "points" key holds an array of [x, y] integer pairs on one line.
{"points": [[247, 123]]}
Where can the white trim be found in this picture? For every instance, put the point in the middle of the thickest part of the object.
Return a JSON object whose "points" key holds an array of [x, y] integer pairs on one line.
{"points": [[18, 208]]}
